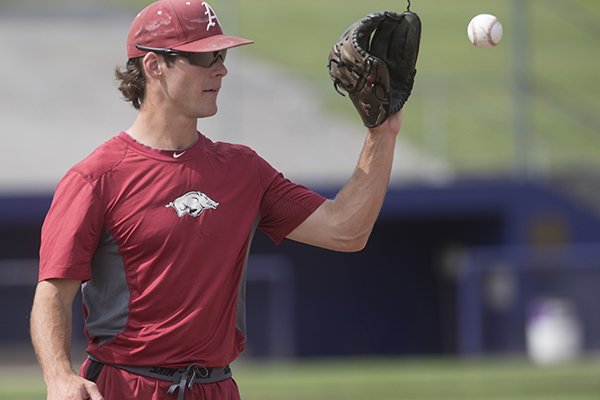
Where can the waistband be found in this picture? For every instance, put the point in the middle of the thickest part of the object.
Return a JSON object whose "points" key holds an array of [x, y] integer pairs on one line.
{"points": [[182, 378]]}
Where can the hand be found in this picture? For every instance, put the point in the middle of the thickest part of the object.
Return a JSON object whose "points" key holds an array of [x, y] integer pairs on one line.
{"points": [[391, 125], [73, 387]]}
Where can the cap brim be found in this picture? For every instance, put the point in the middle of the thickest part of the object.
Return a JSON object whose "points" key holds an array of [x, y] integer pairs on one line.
{"points": [[213, 43]]}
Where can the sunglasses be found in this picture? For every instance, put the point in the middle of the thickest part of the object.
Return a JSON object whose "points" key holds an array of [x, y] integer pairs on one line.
{"points": [[204, 60]]}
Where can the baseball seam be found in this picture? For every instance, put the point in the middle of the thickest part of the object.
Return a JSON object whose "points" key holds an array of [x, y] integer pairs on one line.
{"points": [[474, 34], [489, 32]]}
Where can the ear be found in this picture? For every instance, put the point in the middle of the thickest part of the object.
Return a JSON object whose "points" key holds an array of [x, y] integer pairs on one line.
{"points": [[152, 65]]}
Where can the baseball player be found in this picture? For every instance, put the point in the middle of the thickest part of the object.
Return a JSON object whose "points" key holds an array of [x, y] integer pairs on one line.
{"points": [[154, 227]]}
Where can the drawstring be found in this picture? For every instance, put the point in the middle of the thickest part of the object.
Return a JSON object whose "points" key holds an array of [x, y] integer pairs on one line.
{"points": [[187, 379]]}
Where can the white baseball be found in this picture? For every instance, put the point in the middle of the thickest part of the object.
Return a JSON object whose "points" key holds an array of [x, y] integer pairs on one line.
{"points": [[485, 30]]}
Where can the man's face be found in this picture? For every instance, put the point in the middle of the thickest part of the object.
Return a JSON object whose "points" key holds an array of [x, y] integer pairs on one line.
{"points": [[192, 90]]}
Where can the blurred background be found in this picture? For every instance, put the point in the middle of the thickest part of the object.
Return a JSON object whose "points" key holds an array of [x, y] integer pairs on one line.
{"points": [[482, 275]]}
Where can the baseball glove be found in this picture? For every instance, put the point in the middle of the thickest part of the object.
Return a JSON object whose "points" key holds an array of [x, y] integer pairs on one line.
{"points": [[374, 61]]}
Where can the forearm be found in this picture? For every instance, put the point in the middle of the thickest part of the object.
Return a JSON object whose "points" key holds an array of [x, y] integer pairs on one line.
{"points": [[345, 223], [51, 318], [356, 207]]}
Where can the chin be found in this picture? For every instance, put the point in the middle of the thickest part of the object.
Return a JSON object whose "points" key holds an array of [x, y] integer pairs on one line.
{"points": [[207, 113]]}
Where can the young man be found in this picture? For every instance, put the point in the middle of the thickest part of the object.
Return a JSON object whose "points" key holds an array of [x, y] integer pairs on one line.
{"points": [[155, 226]]}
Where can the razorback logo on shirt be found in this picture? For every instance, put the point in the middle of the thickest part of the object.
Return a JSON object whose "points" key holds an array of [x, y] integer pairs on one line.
{"points": [[192, 203]]}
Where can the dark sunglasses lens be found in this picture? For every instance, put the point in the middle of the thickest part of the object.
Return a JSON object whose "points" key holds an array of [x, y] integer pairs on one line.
{"points": [[207, 59], [221, 54]]}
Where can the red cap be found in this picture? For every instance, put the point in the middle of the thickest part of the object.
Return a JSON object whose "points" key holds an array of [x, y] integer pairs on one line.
{"points": [[185, 25]]}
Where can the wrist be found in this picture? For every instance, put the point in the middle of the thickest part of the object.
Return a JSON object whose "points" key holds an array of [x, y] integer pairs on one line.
{"points": [[58, 373], [391, 126], [382, 137]]}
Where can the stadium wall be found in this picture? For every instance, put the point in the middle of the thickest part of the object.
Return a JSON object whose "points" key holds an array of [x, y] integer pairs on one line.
{"points": [[398, 296]]}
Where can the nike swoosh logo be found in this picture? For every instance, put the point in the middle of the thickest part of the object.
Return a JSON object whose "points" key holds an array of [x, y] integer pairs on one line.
{"points": [[175, 155]]}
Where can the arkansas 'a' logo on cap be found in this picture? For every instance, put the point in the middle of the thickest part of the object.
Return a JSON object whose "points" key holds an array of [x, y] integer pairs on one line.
{"points": [[211, 15]]}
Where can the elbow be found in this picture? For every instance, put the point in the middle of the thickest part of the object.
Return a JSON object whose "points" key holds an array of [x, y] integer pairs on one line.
{"points": [[355, 247], [352, 244], [346, 232], [352, 239]]}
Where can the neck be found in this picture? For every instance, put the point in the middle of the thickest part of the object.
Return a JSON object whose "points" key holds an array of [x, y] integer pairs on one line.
{"points": [[160, 130]]}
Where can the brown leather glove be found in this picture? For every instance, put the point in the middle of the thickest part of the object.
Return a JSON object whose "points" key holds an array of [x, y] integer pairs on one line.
{"points": [[374, 61]]}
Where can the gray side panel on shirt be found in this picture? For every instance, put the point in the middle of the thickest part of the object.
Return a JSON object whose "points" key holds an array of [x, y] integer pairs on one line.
{"points": [[106, 296], [241, 300]]}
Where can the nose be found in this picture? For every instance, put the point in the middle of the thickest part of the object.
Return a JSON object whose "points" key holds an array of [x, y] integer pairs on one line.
{"points": [[219, 68]]}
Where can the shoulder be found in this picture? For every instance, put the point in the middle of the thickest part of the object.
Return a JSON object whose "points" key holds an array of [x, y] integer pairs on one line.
{"points": [[226, 148], [103, 159], [230, 150]]}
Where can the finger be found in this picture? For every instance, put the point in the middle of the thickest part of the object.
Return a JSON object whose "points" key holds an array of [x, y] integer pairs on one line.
{"points": [[93, 392]]}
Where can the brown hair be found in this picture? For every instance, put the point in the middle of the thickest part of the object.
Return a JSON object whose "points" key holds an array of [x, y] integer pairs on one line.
{"points": [[133, 80]]}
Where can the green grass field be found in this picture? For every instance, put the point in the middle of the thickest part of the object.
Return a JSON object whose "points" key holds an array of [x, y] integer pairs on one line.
{"points": [[463, 105], [384, 379]]}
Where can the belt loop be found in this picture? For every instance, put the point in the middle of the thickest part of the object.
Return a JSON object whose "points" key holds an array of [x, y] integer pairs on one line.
{"points": [[93, 370]]}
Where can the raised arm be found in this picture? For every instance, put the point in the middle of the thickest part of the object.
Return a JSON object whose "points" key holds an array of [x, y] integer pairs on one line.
{"points": [[345, 223], [51, 317]]}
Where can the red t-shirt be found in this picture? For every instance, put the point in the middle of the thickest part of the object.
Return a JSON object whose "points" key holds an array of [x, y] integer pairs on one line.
{"points": [[161, 240]]}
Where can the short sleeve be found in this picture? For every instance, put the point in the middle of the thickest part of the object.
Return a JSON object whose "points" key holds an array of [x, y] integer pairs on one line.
{"points": [[284, 205], [71, 231]]}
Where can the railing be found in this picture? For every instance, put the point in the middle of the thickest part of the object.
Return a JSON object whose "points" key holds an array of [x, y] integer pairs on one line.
{"points": [[508, 295]]}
